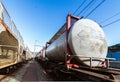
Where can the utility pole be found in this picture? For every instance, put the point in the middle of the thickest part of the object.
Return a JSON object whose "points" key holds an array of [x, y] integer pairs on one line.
{"points": [[35, 45], [34, 49]]}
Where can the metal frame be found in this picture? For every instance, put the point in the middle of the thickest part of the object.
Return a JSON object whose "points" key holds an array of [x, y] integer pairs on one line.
{"points": [[68, 27], [43, 54], [12, 29], [68, 52], [106, 62]]}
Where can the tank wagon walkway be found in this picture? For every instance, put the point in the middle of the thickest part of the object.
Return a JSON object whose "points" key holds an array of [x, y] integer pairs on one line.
{"points": [[35, 72]]}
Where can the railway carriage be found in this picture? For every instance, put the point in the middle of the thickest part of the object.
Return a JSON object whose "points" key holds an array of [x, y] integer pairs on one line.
{"points": [[11, 42], [79, 48]]}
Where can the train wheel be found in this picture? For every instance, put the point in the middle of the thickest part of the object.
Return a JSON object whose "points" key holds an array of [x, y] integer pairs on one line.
{"points": [[7, 70], [15, 67]]}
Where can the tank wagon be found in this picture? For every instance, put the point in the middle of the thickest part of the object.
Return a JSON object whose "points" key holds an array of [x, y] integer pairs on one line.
{"points": [[79, 48], [11, 42], [82, 40]]}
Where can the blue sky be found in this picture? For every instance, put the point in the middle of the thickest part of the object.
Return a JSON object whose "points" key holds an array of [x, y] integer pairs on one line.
{"points": [[39, 20]]}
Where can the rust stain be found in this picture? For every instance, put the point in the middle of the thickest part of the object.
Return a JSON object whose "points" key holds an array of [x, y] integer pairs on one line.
{"points": [[92, 48], [97, 44], [89, 36], [101, 49]]}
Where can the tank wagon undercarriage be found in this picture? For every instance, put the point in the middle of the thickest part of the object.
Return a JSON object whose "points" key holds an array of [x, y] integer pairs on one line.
{"points": [[68, 54]]}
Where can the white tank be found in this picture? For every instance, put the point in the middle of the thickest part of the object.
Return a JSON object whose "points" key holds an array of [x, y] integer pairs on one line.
{"points": [[86, 39]]}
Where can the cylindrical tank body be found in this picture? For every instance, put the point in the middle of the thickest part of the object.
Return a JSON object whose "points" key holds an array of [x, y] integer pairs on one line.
{"points": [[86, 39]]}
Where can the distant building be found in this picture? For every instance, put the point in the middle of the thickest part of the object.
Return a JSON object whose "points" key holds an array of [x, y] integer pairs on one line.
{"points": [[114, 52]]}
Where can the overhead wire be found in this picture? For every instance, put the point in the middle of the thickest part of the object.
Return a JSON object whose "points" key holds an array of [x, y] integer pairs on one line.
{"points": [[85, 7], [79, 6], [110, 17], [89, 7], [111, 23], [95, 8]]}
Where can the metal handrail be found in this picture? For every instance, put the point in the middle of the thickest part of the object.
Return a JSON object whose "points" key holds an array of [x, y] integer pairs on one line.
{"points": [[7, 19], [91, 59]]}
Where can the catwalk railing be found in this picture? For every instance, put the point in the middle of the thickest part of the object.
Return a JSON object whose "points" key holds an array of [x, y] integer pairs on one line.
{"points": [[5, 17]]}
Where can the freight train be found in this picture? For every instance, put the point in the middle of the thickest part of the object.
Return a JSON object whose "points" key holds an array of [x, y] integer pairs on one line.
{"points": [[79, 48], [12, 50], [83, 40]]}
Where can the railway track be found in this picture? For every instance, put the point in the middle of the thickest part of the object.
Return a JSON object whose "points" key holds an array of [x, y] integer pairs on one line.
{"points": [[14, 76], [83, 73]]}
